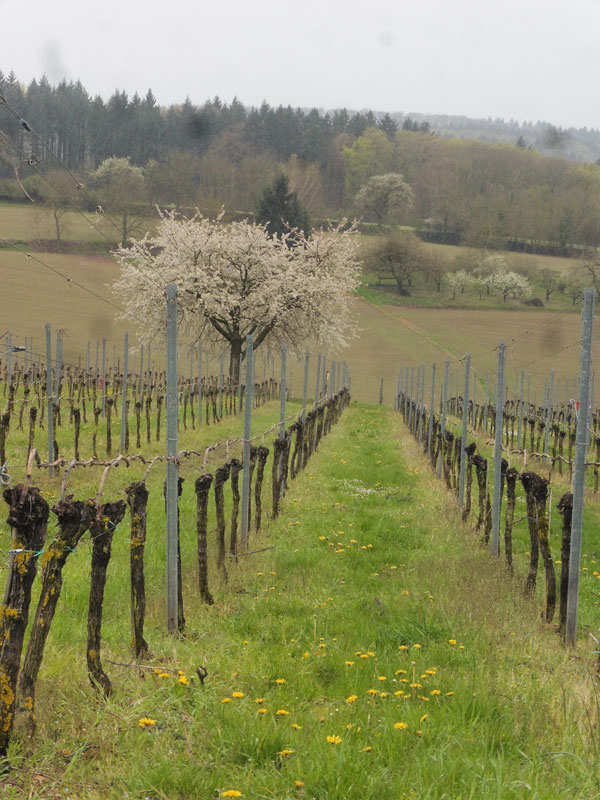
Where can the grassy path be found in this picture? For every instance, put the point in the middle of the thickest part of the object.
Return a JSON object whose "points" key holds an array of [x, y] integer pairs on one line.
{"points": [[375, 652]]}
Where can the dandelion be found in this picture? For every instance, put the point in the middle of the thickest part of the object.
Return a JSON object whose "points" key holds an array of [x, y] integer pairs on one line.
{"points": [[231, 793], [430, 671], [402, 647], [285, 752], [372, 691], [259, 700], [382, 678], [163, 675], [298, 784], [352, 698], [434, 692], [384, 694], [349, 663], [296, 727], [281, 712], [399, 693], [400, 672], [416, 646], [367, 749], [400, 726], [424, 717], [306, 655], [334, 739], [451, 641], [237, 694], [262, 710], [226, 700], [144, 721], [183, 680], [449, 694]]}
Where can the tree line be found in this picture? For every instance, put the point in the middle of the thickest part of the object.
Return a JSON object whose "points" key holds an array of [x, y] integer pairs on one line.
{"points": [[223, 155]]}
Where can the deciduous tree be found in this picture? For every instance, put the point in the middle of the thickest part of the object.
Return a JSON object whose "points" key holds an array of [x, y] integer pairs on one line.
{"points": [[236, 279]]}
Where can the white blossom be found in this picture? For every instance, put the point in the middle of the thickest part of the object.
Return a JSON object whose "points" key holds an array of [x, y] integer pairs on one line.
{"points": [[235, 280]]}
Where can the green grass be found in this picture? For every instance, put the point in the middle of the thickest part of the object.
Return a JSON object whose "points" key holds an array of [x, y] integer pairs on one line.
{"points": [[520, 719]]}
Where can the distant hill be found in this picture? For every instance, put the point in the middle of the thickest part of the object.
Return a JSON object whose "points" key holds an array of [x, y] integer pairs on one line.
{"points": [[576, 144]]}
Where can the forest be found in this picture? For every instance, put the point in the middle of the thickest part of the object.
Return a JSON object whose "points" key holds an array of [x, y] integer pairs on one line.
{"points": [[482, 194]]}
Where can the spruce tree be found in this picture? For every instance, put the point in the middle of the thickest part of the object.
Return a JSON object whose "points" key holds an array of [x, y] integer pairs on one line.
{"points": [[280, 210]]}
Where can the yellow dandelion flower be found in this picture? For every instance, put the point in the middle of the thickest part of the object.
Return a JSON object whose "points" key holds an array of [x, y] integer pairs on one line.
{"points": [[371, 653], [352, 698], [226, 700], [281, 712], [399, 693], [416, 686], [449, 694], [402, 647], [416, 646], [163, 675], [372, 691], [231, 793], [306, 655], [400, 726], [183, 680], [434, 692], [285, 752], [144, 721], [419, 733], [237, 694], [382, 678], [430, 671], [334, 739], [384, 694], [296, 727], [259, 700], [262, 710], [424, 717], [451, 641], [298, 784], [400, 672], [367, 749], [349, 663]]}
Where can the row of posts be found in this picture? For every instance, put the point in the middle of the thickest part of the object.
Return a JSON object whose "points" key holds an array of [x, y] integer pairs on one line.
{"points": [[415, 391], [337, 377]]}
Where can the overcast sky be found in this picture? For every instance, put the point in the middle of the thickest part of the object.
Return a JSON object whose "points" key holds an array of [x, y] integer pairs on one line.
{"points": [[522, 59]]}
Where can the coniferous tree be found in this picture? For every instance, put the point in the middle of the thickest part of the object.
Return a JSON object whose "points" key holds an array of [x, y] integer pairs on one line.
{"points": [[280, 210]]}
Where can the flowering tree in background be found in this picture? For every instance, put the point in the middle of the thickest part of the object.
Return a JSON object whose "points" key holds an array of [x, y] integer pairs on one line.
{"points": [[235, 280], [459, 281]]}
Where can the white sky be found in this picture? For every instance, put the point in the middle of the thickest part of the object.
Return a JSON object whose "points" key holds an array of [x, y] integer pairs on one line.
{"points": [[522, 59]]}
